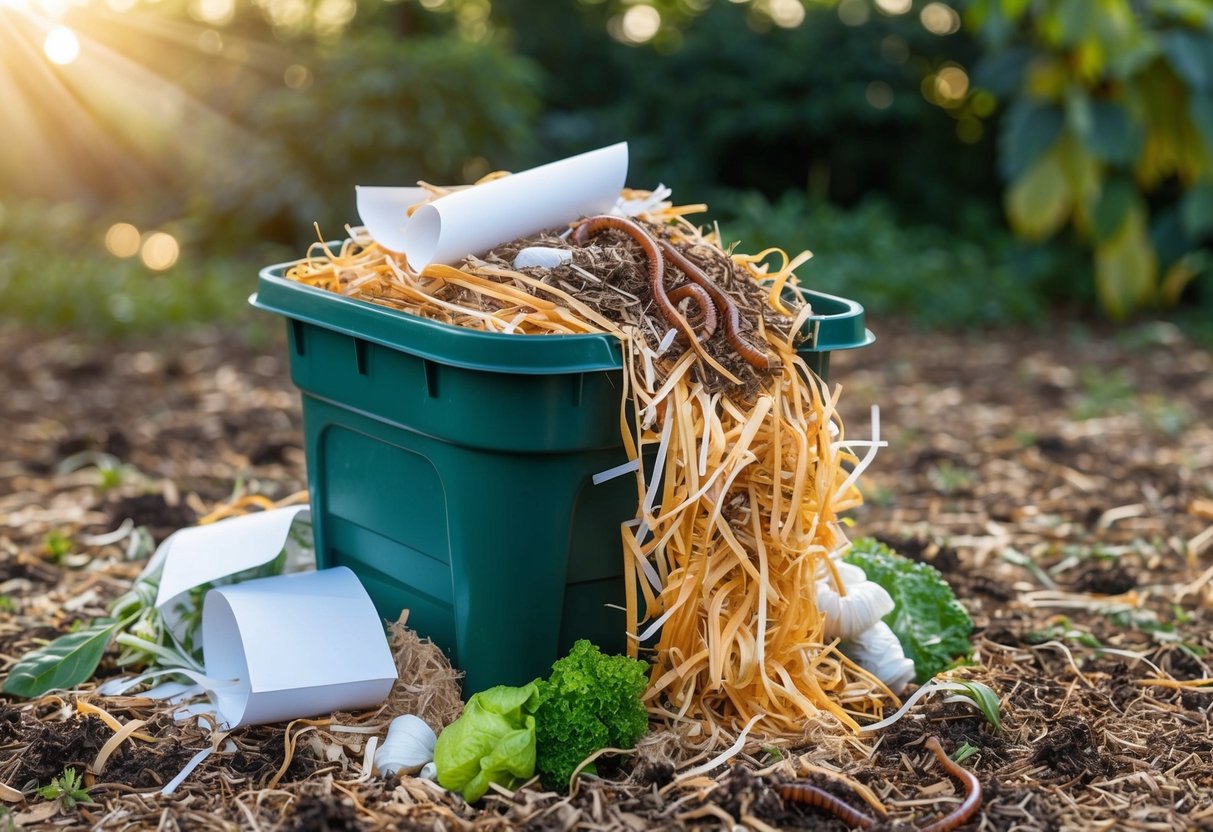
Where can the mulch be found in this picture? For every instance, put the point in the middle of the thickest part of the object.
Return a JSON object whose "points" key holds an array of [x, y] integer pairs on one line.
{"points": [[1062, 480]]}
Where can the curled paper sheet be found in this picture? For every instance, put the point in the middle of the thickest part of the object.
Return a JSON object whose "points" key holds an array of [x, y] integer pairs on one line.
{"points": [[473, 220], [295, 646], [205, 554], [385, 212]]}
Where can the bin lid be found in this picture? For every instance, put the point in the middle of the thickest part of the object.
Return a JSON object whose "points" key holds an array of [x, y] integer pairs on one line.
{"points": [[837, 324]]}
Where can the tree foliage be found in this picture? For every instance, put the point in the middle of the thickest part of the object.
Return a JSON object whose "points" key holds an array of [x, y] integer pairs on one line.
{"points": [[1108, 128]]}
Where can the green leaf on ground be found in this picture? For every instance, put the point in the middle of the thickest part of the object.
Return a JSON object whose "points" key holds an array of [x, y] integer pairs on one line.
{"points": [[64, 663]]}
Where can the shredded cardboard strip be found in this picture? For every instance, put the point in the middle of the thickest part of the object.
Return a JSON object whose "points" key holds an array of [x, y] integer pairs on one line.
{"points": [[752, 466]]}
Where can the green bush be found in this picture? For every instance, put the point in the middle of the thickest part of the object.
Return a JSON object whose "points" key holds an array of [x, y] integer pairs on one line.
{"points": [[727, 103], [381, 110], [1108, 127], [951, 278], [56, 273]]}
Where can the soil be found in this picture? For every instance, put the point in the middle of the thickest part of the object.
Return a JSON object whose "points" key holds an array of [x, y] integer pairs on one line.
{"points": [[1062, 480]]}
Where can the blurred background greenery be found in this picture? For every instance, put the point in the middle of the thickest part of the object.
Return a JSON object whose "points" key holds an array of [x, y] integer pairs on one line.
{"points": [[953, 162]]}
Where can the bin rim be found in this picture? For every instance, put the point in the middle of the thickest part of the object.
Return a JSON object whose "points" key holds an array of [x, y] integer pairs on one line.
{"points": [[840, 326]]}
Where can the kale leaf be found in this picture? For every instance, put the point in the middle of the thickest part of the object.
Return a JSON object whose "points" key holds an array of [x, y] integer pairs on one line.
{"points": [[930, 623]]}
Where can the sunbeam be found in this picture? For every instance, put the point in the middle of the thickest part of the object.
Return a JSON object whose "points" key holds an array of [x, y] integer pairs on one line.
{"points": [[95, 102]]}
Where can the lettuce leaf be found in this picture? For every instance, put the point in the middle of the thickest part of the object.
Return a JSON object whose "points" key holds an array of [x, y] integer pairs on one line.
{"points": [[492, 741], [930, 623]]}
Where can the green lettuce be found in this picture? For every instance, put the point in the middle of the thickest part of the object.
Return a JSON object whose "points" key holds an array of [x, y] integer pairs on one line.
{"points": [[590, 701], [930, 623], [493, 741]]}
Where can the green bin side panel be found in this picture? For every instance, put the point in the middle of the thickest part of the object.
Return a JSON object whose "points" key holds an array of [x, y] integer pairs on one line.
{"points": [[502, 559], [511, 412]]}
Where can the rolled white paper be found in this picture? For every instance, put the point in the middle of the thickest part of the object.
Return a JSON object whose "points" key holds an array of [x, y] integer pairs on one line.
{"points": [[385, 212], [295, 646], [473, 220]]}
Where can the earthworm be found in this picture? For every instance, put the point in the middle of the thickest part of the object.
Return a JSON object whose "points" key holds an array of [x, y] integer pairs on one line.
{"points": [[813, 796], [705, 324], [648, 246], [724, 304], [972, 791]]}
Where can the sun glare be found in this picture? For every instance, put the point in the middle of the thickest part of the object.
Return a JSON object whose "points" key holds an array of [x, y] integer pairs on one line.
{"points": [[61, 46]]}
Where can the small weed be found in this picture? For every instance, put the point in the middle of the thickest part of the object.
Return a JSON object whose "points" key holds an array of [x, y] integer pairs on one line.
{"points": [[68, 789], [964, 752], [7, 604], [1104, 393], [56, 546], [950, 479], [771, 753], [110, 477], [878, 495], [1062, 629]]}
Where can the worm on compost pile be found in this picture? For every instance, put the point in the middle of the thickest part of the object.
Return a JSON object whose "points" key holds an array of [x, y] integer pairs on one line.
{"points": [[810, 795], [739, 519], [972, 789]]}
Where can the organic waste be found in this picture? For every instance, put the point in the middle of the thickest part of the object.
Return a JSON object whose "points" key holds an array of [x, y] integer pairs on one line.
{"points": [[589, 702], [492, 741], [930, 623], [739, 518]]}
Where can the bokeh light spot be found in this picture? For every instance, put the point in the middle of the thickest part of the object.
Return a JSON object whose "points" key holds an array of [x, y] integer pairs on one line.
{"points": [[879, 95], [640, 24], [332, 16], [122, 240], [210, 42], [297, 77], [983, 103], [213, 12], [787, 14], [951, 85], [894, 6], [894, 49], [160, 251], [854, 12], [939, 19], [61, 46]]}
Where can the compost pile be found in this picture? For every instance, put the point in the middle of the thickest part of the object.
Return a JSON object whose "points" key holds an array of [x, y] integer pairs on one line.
{"points": [[740, 517], [1062, 479]]}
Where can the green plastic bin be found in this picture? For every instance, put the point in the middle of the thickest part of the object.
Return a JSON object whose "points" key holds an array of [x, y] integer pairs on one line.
{"points": [[451, 470]]}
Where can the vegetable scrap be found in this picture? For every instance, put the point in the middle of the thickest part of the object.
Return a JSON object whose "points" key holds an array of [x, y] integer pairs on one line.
{"points": [[739, 519], [590, 702], [931, 625], [493, 741]]}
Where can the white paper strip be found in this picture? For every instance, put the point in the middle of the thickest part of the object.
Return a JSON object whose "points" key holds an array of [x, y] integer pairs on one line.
{"points": [[473, 220], [297, 646], [204, 554]]}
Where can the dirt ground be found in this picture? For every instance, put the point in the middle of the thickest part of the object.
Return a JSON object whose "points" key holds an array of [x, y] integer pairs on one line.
{"points": [[1062, 480]]}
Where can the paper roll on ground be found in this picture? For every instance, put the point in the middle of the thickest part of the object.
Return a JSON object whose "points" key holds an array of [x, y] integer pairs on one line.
{"points": [[298, 645]]}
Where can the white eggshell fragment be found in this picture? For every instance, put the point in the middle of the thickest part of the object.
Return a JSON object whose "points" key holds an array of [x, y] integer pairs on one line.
{"points": [[542, 257], [408, 747], [878, 651], [864, 604]]}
